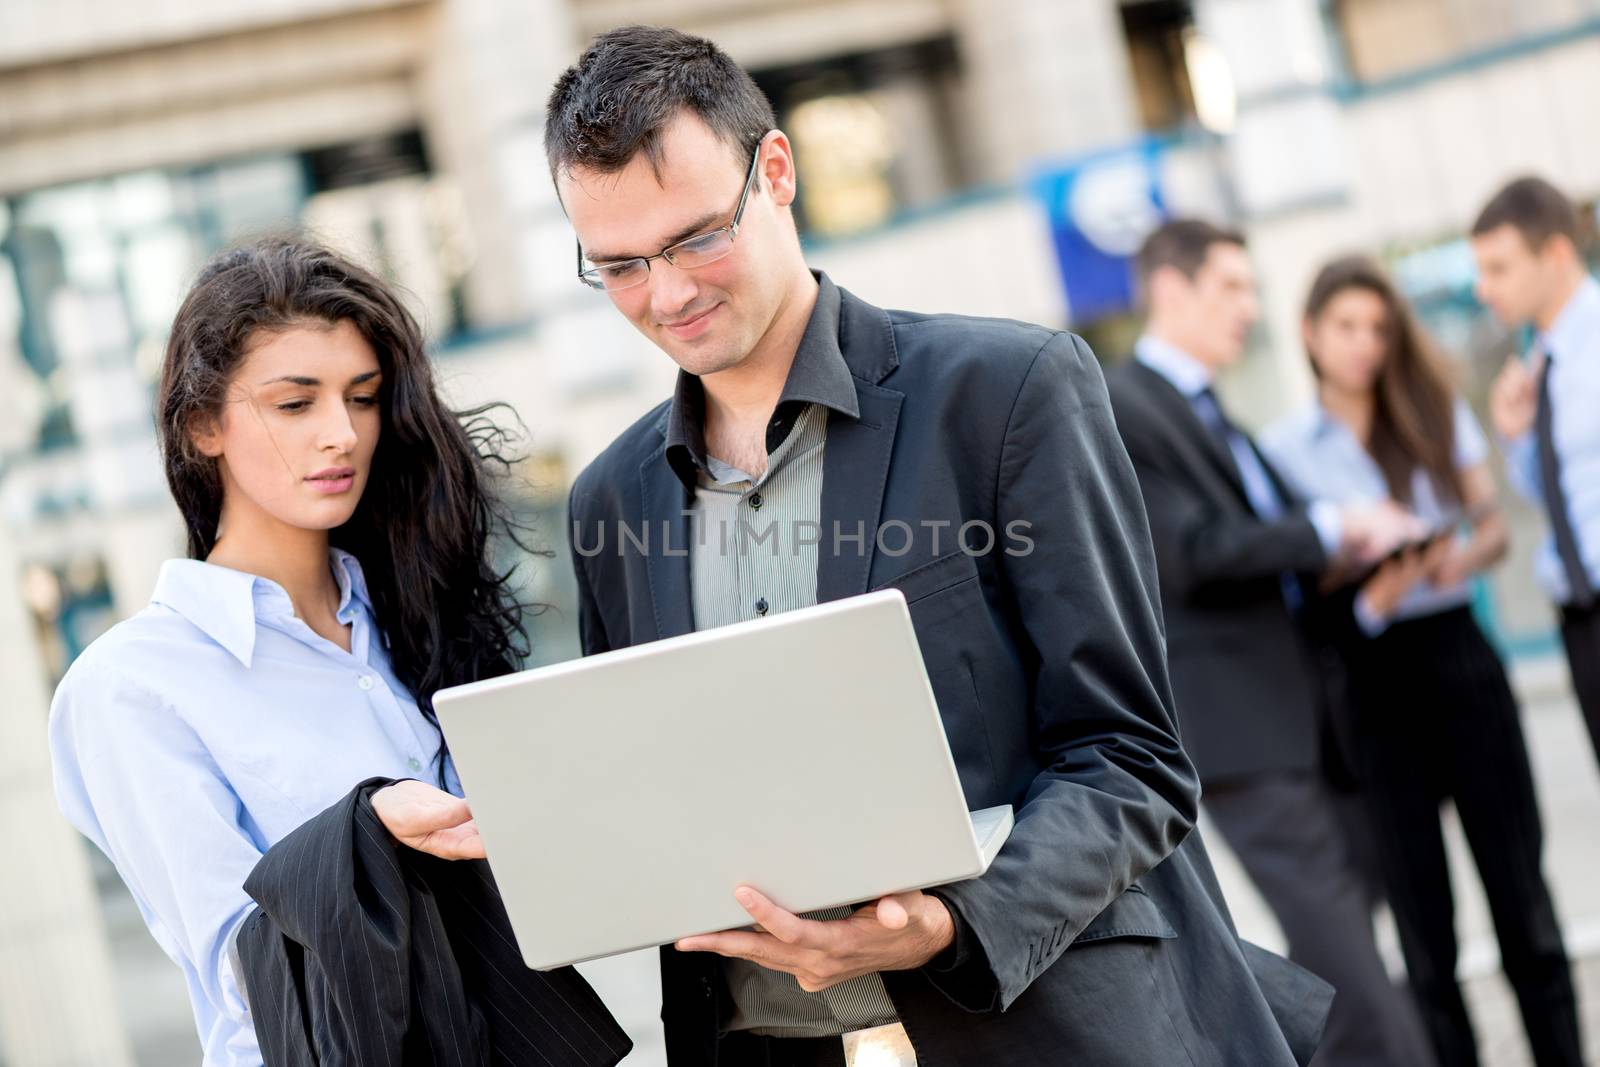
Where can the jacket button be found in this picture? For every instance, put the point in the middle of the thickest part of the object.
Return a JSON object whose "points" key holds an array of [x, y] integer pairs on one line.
{"points": [[761, 606], [755, 501]]}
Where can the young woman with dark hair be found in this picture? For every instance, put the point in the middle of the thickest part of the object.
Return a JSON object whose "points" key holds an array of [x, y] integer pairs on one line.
{"points": [[339, 517], [1431, 714]]}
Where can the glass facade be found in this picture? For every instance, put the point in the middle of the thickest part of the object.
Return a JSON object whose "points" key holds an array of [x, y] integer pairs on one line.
{"points": [[91, 275]]}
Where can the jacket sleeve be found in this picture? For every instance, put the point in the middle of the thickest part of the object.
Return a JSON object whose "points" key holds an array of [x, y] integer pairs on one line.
{"points": [[324, 913], [1116, 794], [1199, 546]]}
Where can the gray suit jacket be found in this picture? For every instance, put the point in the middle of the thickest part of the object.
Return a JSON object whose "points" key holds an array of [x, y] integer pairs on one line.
{"points": [[1099, 936]]}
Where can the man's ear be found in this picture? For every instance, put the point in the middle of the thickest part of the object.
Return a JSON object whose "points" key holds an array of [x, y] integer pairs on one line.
{"points": [[1559, 251], [1166, 284], [778, 168], [205, 433]]}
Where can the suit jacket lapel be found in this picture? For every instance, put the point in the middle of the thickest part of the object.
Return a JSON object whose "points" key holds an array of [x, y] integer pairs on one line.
{"points": [[1188, 424], [855, 468], [1286, 493], [855, 472], [666, 515]]}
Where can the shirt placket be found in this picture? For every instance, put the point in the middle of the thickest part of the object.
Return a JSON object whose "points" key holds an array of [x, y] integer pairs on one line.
{"points": [[755, 586], [400, 727], [400, 722], [763, 540]]}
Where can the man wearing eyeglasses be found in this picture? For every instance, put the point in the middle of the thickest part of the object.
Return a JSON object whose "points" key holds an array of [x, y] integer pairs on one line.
{"points": [[818, 447]]}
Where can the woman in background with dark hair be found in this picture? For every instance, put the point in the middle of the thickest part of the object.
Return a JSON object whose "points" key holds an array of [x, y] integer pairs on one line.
{"points": [[1432, 716], [338, 519]]}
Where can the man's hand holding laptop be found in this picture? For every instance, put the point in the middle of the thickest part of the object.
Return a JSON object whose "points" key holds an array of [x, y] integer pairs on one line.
{"points": [[899, 932]]}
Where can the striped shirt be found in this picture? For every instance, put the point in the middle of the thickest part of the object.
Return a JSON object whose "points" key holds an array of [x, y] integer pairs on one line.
{"points": [[753, 552]]}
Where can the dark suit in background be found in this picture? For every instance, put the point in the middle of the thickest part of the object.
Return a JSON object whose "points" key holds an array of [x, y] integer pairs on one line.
{"points": [[1249, 698], [1099, 936]]}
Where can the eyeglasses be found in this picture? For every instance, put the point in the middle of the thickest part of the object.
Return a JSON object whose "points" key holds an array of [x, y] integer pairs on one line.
{"points": [[690, 252]]}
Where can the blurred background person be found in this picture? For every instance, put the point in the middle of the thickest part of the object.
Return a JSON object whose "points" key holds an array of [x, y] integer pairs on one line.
{"points": [[1431, 716], [1546, 409], [1237, 556]]}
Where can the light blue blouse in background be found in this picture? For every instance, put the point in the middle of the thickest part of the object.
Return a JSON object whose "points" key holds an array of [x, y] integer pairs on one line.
{"points": [[1573, 342], [1321, 457], [193, 736]]}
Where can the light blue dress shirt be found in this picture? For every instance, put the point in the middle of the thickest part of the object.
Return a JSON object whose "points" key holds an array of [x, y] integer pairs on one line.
{"points": [[1321, 457], [1573, 342], [1191, 378], [193, 736]]}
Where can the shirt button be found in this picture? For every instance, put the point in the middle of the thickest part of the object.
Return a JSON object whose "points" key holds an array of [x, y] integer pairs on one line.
{"points": [[761, 606], [755, 501], [365, 681], [414, 763]]}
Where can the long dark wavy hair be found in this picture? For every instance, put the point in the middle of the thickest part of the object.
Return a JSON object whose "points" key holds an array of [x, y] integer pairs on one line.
{"points": [[1413, 419], [423, 527]]}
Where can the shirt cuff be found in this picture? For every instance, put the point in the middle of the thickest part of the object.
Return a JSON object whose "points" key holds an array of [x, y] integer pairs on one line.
{"points": [[959, 951], [1324, 515], [235, 994], [1372, 624]]}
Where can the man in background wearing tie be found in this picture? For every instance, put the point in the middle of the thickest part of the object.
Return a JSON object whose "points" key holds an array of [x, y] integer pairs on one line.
{"points": [[1546, 409], [1232, 547]]}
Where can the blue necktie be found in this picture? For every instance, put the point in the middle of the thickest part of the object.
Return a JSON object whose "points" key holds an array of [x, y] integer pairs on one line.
{"points": [[1580, 593], [1258, 486]]}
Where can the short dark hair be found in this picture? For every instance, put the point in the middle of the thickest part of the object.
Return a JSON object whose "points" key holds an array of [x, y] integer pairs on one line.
{"points": [[630, 83], [1183, 244], [1535, 209]]}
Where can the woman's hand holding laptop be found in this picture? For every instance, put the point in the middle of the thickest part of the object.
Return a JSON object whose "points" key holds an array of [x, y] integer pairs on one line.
{"points": [[429, 820]]}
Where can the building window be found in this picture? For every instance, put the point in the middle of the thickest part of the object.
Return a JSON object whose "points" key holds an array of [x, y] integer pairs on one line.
{"points": [[1388, 38], [1157, 32], [874, 133]]}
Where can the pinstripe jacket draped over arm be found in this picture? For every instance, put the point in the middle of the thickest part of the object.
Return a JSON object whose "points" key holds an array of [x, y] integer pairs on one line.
{"points": [[365, 952]]}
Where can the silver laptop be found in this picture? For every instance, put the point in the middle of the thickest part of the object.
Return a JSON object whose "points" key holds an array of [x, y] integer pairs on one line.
{"points": [[623, 797]]}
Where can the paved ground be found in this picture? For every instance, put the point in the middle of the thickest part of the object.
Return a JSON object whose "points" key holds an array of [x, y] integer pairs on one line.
{"points": [[157, 1013], [1569, 797], [1494, 1012]]}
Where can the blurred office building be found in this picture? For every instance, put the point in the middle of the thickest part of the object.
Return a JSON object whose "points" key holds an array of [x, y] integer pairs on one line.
{"points": [[956, 155]]}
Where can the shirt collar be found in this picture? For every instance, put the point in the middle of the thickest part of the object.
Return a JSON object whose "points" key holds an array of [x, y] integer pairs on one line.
{"points": [[226, 605], [1187, 374], [1323, 422], [1578, 322], [818, 375], [352, 582]]}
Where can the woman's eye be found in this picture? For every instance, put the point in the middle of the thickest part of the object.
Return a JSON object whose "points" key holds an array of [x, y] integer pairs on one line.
{"points": [[292, 406], [366, 400]]}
